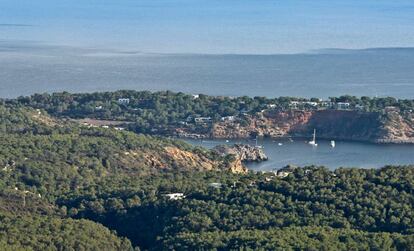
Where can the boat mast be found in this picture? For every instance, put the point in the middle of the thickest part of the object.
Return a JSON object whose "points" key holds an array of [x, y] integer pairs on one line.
{"points": [[314, 135]]}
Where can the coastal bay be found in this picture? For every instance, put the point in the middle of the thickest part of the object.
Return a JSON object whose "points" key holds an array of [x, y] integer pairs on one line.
{"points": [[369, 132], [283, 152]]}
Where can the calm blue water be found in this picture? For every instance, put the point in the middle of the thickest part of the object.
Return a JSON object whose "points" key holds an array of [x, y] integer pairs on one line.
{"points": [[345, 154], [96, 45], [27, 68]]}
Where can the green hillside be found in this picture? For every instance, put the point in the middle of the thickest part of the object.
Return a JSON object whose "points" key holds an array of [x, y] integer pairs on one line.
{"points": [[65, 186]]}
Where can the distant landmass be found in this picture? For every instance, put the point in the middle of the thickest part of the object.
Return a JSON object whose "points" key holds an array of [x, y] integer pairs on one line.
{"points": [[374, 50]]}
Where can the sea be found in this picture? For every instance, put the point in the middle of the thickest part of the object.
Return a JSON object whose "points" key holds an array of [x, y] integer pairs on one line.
{"points": [[26, 69]]}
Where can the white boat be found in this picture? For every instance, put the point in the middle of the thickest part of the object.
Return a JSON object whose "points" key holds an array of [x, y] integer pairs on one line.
{"points": [[332, 143], [280, 144], [257, 145], [313, 141]]}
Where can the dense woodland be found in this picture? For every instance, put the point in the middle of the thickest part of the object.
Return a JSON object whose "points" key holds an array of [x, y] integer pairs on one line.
{"points": [[69, 187]]}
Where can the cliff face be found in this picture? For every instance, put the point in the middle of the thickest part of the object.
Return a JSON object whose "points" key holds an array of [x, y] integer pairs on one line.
{"points": [[237, 167], [274, 124], [243, 152], [397, 129], [188, 159], [390, 127], [347, 125], [172, 157]]}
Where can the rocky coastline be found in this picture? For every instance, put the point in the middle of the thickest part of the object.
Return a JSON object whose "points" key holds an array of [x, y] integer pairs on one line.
{"points": [[373, 127], [243, 152]]}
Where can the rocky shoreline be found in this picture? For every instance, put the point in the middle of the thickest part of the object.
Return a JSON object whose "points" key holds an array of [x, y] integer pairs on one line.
{"points": [[372, 127], [246, 153]]}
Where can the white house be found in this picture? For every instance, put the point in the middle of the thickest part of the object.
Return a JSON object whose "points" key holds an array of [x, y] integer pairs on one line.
{"points": [[327, 104], [123, 101], [175, 196], [201, 120], [215, 185], [294, 104], [343, 105], [228, 118], [282, 174]]}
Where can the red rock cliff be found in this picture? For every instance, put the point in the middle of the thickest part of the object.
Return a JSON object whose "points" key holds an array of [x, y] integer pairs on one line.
{"points": [[390, 127]]}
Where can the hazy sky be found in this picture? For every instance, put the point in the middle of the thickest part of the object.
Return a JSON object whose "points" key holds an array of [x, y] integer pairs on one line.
{"points": [[210, 26]]}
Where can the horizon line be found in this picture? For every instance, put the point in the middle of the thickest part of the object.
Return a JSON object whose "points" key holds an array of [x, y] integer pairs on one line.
{"points": [[109, 50]]}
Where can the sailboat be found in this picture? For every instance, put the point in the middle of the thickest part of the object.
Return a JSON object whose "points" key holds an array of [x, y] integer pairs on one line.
{"points": [[313, 141], [257, 145], [332, 143]]}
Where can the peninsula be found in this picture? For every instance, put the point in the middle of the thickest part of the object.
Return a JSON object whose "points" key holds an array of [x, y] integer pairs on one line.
{"points": [[377, 120]]}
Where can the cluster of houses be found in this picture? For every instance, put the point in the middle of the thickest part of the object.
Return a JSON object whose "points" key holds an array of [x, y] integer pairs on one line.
{"points": [[296, 105], [335, 105], [197, 119], [323, 104], [92, 125]]}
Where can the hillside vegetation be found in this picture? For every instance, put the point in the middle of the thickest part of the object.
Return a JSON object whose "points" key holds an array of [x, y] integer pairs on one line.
{"points": [[66, 186], [42, 159]]}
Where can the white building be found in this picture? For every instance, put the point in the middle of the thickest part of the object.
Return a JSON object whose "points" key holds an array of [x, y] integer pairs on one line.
{"points": [[314, 104], [282, 174], [215, 185], [328, 104], [343, 105], [228, 118], [201, 120], [294, 104], [123, 101], [175, 196]]}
